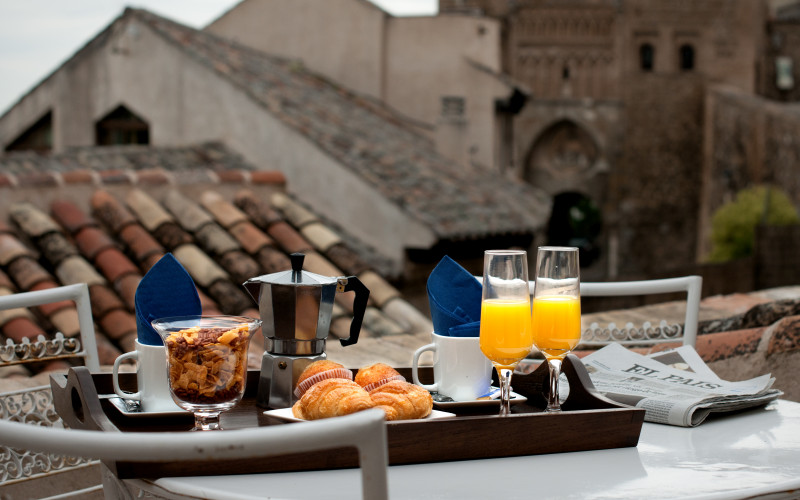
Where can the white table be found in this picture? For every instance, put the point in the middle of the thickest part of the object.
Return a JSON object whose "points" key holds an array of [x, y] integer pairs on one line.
{"points": [[751, 454]]}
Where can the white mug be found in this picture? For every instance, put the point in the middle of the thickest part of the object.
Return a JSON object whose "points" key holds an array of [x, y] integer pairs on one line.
{"points": [[460, 369], [151, 378]]}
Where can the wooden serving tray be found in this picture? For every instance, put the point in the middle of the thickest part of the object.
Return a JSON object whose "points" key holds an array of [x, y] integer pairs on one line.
{"points": [[589, 422]]}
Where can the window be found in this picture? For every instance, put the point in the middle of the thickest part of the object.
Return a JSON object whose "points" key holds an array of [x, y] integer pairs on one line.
{"points": [[453, 108], [687, 57], [122, 127], [38, 137], [646, 57]]}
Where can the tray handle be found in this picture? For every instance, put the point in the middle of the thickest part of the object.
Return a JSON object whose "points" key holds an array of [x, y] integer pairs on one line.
{"points": [[76, 402], [582, 393]]}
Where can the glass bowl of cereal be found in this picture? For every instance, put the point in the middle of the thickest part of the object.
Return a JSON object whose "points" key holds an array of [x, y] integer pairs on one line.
{"points": [[206, 363]]}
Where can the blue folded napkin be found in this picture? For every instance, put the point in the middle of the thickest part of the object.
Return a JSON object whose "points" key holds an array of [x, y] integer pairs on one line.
{"points": [[166, 290], [455, 300]]}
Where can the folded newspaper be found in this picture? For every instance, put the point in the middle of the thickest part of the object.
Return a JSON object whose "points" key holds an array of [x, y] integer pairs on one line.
{"points": [[674, 387]]}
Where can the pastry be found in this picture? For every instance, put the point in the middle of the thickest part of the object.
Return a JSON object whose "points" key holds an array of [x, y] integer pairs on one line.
{"points": [[402, 400], [317, 371], [373, 376], [332, 397]]}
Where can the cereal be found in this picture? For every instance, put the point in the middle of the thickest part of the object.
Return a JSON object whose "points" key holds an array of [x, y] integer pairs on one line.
{"points": [[208, 365]]}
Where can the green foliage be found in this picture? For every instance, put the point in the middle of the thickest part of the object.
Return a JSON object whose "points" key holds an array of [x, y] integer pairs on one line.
{"points": [[733, 225]]}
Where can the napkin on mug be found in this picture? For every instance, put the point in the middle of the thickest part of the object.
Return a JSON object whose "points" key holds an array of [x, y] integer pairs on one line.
{"points": [[455, 300], [166, 290]]}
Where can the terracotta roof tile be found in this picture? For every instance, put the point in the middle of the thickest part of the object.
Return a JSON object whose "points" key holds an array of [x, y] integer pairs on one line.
{"points": [[77, 270], [189, 214], [106, 351], [4, 228], [320, 236], [39, 179], [346, 259], [128, 342], [66, 321], [232, 299], [26, 272], [11, 248], [104, 300], [215, 240], [250, 237], [272, 260], [82, 176], [31, 220], [118, 323], [224, 212], [116, 177], [110, 211], [294, 212], [203, 270], [150, 261], [7, 180], [406, 315], [91, 241], [20, 328], [172, 236], [140, 243], [149, 212], [49, 309], [274, 177], [5, 281], [206, 302], [785, 335], [71, 218], [126, 289], [288, 238], [723, 345], [260, 213], [237, 176], [380, 291], [114, 265], [379, 325], [56, 248], [239, 265], [153, 176]]}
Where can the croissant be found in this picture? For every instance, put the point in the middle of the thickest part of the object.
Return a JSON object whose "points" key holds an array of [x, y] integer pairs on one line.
{"points": [[401, 400], [373, 376], [317, 371], [332, 397]]}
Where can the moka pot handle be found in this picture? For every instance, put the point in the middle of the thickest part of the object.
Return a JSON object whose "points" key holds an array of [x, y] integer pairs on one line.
{"points": [[353, 284]]}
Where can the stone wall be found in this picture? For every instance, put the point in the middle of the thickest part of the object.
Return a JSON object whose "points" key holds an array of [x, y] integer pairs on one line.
{"points": [[749, 140]]}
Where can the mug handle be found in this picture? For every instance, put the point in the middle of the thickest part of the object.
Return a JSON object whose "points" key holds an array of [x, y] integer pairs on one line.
{"points": [[415, 366], [115, 376]]}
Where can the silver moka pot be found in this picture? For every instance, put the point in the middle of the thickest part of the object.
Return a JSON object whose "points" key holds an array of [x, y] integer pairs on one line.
{"points": [[296, 308]]}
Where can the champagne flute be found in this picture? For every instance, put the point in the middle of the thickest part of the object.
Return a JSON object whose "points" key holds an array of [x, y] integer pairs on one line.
{"points": [[556, 310], [505, 336]]}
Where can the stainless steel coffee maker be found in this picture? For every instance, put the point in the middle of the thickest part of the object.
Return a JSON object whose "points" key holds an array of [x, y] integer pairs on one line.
{"points": [[296, 308]]}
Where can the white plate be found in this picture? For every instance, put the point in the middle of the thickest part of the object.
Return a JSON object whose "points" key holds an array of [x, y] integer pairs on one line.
{"points": [[136, 412], [515, 398], [286, 414]]}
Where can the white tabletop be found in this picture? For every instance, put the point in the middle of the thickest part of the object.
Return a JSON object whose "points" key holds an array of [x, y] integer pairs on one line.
{"points": [[739, 456]]}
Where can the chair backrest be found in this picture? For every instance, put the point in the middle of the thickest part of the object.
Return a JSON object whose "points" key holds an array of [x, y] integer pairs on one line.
{"points": [[34, 405], [366, 431], [646, 334]]}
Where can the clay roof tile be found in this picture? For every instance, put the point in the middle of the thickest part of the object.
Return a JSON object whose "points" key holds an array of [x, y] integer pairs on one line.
{"points": [[27, 272], [92, 240], [149, 212], [22, 328], [114, 264], [104, 300], [110, 211], [118, 323], [72, 218], [215, 240], [56, 248], [11, 248], [140, 243], [49, 309], [77, 270], [31, 220], [250, 237], [224, 212], [188, 213], [288, 238], [126, 289]]}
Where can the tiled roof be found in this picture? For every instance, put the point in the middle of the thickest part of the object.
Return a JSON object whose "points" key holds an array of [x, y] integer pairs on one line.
{"points": [[456, 201], [111, 239]]}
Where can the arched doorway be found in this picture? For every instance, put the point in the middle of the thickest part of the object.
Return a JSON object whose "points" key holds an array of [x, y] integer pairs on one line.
{"points": [[576, 221]]}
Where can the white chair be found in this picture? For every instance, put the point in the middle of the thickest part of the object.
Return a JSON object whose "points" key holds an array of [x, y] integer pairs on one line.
{"points": [[35, 405], [365, 431], [646, 334]]}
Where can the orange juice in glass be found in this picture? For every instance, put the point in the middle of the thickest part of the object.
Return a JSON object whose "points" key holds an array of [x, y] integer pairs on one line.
{"points": [[505, 336], [556, 323]]}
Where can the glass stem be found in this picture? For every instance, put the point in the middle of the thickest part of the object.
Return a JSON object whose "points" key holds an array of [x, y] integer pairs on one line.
{"points": [[553, 403], [504, 374], [206, 422]]}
